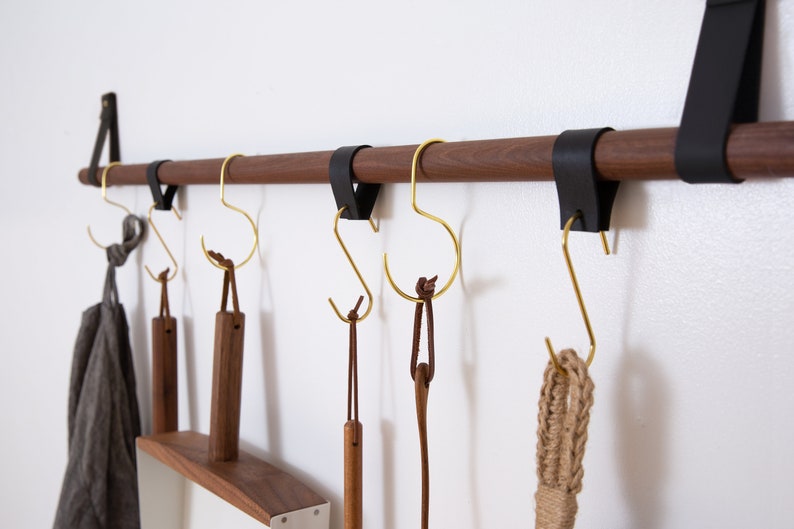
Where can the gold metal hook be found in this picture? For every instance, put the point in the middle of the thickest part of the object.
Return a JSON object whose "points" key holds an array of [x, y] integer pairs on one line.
{"points": [[578, 293], [162, 241], [414, 164], [105, 172], [355, 269], [224, 167]]}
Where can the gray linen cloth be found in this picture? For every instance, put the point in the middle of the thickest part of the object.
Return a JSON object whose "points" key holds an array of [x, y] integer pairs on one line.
{"points": [[100, 488]]}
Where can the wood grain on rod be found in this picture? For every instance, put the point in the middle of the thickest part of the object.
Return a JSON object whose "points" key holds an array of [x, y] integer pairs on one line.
{"points": [[754, 150]]}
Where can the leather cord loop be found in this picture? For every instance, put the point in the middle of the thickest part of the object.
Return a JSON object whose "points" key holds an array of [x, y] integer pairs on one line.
{"points": [[425, 289], [165, 310], [228, 280], [422, 375], [352, 372]]}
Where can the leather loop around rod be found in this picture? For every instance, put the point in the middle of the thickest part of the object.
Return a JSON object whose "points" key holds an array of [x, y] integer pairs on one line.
{"points": [[165, 200], [578, 186], [723, 89], [359, 200], [108, 124]]}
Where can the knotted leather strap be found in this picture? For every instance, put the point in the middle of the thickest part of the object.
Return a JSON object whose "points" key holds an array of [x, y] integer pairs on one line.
{"points": [[228, 280], [422, 374], [352, 371], [165, 310], [564, 414], [353, 504]]}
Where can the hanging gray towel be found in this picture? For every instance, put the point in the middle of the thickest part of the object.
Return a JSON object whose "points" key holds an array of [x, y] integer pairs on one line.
{"points": [[100, 488]]}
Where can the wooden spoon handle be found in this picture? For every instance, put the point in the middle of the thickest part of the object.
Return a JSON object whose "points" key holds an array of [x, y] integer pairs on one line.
{"points": [[165, 409], [353, 475], [227, 378]]}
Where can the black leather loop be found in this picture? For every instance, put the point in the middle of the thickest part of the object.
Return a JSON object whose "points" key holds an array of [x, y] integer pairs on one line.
{"points": [[359, 201], [165, 200], [578, 186], [723, 88], [108, 124]]}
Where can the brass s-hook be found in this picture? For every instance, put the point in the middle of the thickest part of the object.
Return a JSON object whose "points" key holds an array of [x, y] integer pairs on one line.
{"points": [[162, 241], [578, 292], [105, 172], [224, 168], [456, 244], [355, 268]]}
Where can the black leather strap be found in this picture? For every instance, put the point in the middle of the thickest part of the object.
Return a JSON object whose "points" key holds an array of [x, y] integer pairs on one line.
{"points": [[163, 201], [108, 123], [578, 186], [359, 201], [723, 88]]}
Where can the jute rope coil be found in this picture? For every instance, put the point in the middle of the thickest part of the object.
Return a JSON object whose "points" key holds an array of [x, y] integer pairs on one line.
{"points": [[564, 414]]}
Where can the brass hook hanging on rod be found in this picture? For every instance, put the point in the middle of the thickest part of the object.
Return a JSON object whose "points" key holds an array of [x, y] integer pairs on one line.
{"points": [[566, 231], [456, 244], [224, 167], [355, 269], [162, 241], [105, 172]]}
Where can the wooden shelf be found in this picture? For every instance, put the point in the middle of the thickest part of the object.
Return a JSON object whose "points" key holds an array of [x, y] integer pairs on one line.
{"points": [[254, 486]]}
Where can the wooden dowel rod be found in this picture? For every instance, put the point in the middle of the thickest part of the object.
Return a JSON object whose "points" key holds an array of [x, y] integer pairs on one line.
{"points": [[755, 150]]}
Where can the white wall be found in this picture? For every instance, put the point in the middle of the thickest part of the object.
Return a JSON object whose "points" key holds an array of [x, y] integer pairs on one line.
{"points": [[693, 312]]}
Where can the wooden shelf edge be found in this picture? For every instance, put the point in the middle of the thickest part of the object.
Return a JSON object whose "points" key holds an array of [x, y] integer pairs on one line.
{"points": [[254, 486]]}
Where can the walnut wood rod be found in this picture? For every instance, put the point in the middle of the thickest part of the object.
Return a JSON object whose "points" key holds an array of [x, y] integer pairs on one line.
{"points": [[754, 150]]}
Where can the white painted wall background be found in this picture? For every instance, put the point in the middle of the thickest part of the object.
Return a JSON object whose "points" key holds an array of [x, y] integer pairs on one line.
{"points": [[691, 426]]}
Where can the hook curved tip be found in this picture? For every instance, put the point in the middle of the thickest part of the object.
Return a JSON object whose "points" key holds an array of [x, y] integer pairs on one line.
{"points": [[336, 310], [394, 285], [360, 318], [553, 358], [93, 240]]}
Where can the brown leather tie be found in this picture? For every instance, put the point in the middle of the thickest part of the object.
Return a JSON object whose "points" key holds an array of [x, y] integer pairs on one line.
{"points": [[422, 374], [353, 433]]}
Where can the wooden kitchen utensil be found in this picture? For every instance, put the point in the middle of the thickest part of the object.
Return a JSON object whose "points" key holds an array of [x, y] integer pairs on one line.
{"points": [[167, 462]]}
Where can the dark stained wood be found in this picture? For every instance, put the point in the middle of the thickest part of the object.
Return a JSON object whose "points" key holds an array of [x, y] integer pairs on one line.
{"points": [[754, 150], [165, 409], [248, 483], [227, 383], [353, 477]]}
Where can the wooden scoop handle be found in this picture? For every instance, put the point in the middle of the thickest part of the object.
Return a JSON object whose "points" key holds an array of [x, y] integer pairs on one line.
{"points": [[353, 479], [227, 377]]}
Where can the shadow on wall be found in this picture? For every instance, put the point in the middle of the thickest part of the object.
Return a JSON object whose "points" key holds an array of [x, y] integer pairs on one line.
{"points": [[190, 372], [269, 375], [387, 431], [472, 290], [641, 406], [641, 396], [140, 339], [267, 343]]}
